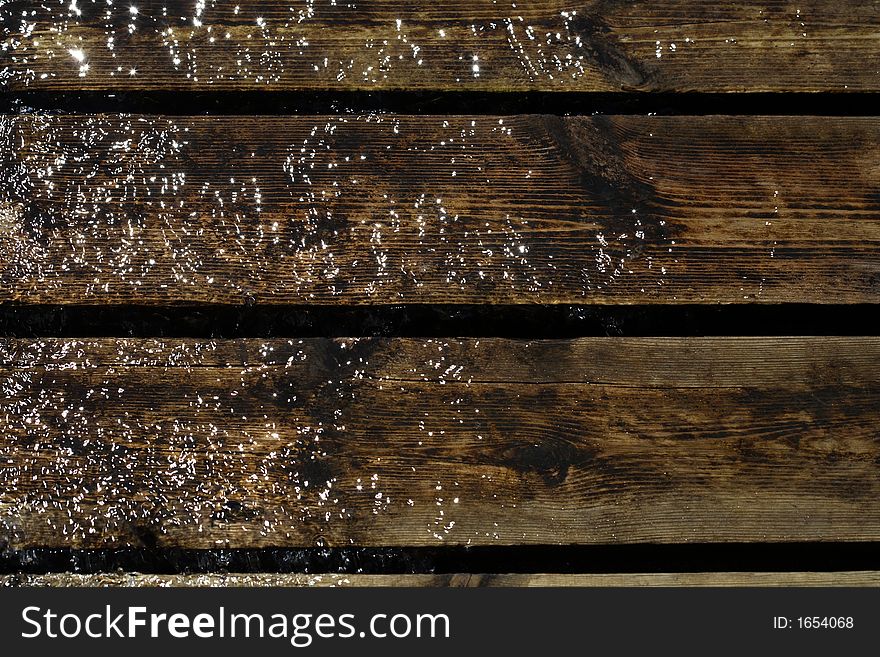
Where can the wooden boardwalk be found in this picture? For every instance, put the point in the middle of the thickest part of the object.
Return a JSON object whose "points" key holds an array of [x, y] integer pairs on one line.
{"points": [[601, 45], [462, 209], [403, 442], [399, 441]]}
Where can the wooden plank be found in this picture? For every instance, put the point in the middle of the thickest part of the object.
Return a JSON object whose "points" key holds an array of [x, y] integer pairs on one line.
{"points": [[465, 209], [409, 442], [598, 45], [848, 578]]}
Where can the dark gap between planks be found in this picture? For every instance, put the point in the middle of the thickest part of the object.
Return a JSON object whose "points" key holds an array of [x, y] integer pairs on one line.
{"points": [[173, 103], [643, 558], [515, 321]]}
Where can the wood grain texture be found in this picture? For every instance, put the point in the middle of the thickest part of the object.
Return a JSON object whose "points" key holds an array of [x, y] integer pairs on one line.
{"points": [[585, 45], [467, 209], [406, 442], [848, 578]]}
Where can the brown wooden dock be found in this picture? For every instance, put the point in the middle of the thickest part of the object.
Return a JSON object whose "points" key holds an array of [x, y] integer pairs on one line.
{"points": [[172, 178]]}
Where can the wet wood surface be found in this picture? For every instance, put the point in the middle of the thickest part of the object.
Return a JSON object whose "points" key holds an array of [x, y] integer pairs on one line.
{"points": [[598, 45], [395, 442], [758, 579], [383, 209], [409, 442]]}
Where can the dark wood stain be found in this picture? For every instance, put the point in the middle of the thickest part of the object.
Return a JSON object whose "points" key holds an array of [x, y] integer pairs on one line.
{"points": [[180, 443], [400, 209], [601, 45], [164, 446]]}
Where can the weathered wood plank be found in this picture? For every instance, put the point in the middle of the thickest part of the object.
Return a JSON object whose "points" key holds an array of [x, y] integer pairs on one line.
{"points": [[848, 578], [396, 442], [593, 45], [394, 209]]}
